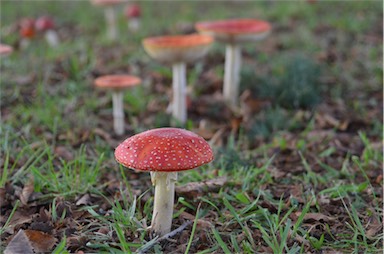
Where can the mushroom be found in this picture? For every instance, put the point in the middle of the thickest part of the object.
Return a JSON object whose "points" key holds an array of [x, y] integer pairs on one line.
{"points": [[46, 25], [234, 32], [133, 13], [163, 152], [117, 83], [26, 31], [110, 16], [5, 50], [178, 50]]}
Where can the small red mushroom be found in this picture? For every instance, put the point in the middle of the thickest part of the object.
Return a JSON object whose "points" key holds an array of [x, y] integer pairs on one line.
{"points": [[46, 25], [27, 28], [5, 50], [163, 152], [27, 31], [178, 50], [110, 16], [132, 13], [117, 83]]}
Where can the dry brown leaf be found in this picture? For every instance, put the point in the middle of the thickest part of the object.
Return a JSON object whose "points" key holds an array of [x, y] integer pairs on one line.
{"points": [[84, 200], [195, 189], [40, 241], [18, 218], [26, 193], [19, 244], [200, 222], [316, 217], [64, 153]]}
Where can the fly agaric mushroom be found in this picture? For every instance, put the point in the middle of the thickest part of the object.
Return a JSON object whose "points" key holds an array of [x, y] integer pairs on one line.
{"points": [[46, 25], [5, 50], [110, 15], [178, 50], [133, 13], [163, 152], [27, 31], [234, 32], [117, 83]]}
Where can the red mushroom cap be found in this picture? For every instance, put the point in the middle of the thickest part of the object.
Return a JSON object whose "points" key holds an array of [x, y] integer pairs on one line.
{"points": [[44, 23], [117, 81], [177, 48], [27, 27], [106, 2], [5, 50], [164, 150], [235, 26], [235, 30], [133, 11]]}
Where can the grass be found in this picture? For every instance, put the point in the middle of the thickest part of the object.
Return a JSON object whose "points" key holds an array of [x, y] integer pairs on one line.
{"points": [[303, 175]]}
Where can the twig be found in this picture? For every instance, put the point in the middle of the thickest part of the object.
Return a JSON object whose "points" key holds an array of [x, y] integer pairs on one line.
{"points": [[151, 243]]}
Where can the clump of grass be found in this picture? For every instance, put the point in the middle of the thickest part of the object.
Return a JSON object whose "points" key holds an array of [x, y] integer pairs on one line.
{"points": [[295, 85], [269, 121]]}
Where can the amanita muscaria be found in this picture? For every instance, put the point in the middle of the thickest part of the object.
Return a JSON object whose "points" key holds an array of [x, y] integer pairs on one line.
{"points": [[163, 152], [178, 50], [234, 32], [46, 25], [117, 83], [110, 16]]}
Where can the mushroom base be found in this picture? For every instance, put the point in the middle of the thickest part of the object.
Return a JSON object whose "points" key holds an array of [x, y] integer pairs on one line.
{"points": [[163, 203]]}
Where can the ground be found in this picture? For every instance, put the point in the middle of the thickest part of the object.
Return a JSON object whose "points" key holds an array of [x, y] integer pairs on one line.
{"points": [[297, 168]]}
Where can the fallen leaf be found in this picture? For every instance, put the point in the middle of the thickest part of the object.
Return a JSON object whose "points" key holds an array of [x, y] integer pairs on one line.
{"points": [[19, 244], [195, 189], [40, 241], [26, 193], [316, 217], [200, 222], [84, 200], [18, 218]]}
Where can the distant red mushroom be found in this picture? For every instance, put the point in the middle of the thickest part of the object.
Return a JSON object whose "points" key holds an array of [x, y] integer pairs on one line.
{"points": [[163, 152], [178, 50], [5, 50], [110, 15], [234, 32], [46, 25], [27, 31], [133, 13], [117, 83]]}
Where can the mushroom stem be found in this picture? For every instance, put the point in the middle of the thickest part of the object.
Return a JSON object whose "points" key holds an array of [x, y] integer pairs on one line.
{"points": [[179, 92], [134, 24], [52, 38], [118, 112], [232, 74], [163, 203], [110, 17]]}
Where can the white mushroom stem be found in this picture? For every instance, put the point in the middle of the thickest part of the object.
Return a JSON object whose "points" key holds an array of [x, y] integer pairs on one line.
{"points": [[110, 16], [232, 74], [179, 92], [134, 24], [164, 183], [52, 38], [118, 112]]}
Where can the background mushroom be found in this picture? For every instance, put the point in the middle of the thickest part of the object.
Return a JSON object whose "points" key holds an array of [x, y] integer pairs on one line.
{"points": [[46, 26], [5, 50], [27, 31], [117, 83], [110, 16], [164, 152], [133, 13], [234, 32], [178, 50]]}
